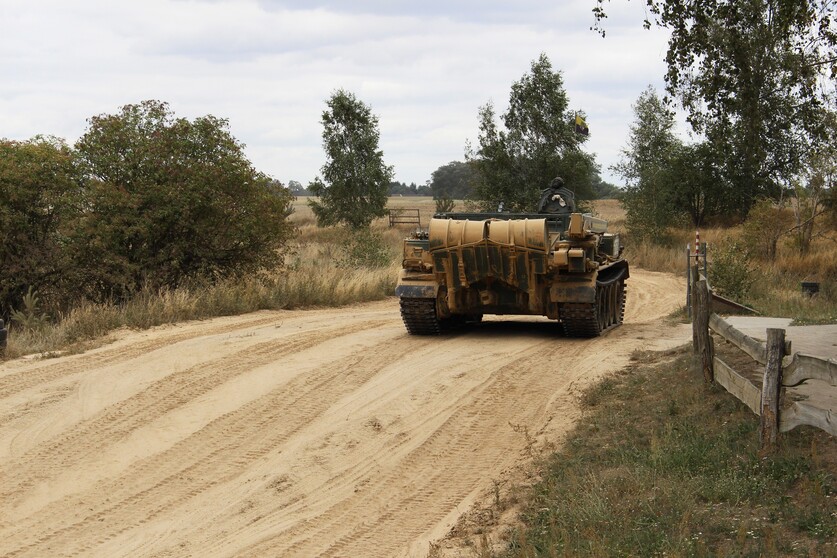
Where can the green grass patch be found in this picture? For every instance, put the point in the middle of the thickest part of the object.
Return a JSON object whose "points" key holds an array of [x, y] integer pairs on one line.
{"points": [[664, 465]]}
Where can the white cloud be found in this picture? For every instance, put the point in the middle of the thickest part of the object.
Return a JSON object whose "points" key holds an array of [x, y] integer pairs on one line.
{"points": [[268, 67]]}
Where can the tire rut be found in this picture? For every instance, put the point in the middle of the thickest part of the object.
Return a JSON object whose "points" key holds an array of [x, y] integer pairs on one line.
{"points": [[118, 421], [41, 374], [363, 530], [214, 455]]}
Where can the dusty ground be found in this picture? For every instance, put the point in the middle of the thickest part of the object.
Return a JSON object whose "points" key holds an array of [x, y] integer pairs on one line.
{"points": [[304, 433]]}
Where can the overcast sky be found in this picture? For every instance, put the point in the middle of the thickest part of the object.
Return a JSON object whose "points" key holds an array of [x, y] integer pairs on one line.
{"points": [[268, 66]]}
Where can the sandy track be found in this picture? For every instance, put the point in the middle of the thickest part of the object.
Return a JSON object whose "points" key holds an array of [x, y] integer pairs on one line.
{"points": [[305, 433]]}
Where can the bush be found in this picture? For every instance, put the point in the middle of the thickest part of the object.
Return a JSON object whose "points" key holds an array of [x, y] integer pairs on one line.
{"points": [[444, 204], [168, 200], [38, 192], [730, 273], [364, 248]]}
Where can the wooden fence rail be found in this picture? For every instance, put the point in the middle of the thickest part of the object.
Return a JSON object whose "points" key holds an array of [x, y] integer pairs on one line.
{"points": [[780, 372]]}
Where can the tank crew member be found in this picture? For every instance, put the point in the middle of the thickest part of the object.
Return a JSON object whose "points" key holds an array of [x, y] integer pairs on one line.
{"points": [[556, 198]]}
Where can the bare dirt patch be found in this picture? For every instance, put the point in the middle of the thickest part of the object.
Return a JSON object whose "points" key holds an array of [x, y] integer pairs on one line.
{"points": [[300, 433]]}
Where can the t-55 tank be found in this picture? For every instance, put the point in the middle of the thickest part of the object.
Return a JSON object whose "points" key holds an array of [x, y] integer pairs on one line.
{"points": [[557, 263]]}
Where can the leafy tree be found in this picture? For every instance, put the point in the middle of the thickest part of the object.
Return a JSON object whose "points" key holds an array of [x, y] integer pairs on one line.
{"points": [[39, 189], [813, 191], [749, 73], [539, 142], [402, 189], [648, 198], [355, 180], [699, 187], [452, 181], [168, 199], [766, 223]]}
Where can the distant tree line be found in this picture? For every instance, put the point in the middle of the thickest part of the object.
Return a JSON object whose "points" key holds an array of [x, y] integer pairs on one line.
{"points": [[142, 200], [402, 189]]}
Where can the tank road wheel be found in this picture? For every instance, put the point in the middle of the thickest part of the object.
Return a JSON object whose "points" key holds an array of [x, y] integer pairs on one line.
{"points": [[419, 315]]}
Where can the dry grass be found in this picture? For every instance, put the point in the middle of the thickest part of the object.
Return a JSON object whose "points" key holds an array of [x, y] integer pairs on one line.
{"points": [[316, 273]]}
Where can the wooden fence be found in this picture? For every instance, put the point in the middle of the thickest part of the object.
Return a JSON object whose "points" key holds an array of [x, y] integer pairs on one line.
{"points": [[404, 216], [782, 374]]}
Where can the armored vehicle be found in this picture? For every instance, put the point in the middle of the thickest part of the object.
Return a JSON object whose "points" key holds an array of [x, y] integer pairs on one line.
{"points": [[557, 263]]}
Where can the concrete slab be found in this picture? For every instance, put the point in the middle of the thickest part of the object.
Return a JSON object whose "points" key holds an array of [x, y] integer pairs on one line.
{"points": [[816, 340]]}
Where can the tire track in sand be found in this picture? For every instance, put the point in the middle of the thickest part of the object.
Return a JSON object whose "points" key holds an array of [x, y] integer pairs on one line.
{"points": [[218, 452], [492, 410], [117, 421]]}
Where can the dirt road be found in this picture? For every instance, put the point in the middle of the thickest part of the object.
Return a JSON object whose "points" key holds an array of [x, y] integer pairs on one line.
{"points": [[300, 433]]}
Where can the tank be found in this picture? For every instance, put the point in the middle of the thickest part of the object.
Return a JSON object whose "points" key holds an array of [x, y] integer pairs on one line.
{"points": [[557, 263]]}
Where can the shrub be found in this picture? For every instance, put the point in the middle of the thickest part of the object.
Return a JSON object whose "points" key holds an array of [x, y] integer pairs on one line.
{"points": [[171, 199], [730, 273], [444, 204], [364, 248]]}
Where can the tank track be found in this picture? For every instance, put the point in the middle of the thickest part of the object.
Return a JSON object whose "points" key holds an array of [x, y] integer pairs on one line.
{"points": [[419, 315], [591, 320]]}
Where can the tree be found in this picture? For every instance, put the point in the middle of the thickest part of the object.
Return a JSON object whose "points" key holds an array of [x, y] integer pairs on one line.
{"points": [[813, 191], [39, 189], [452, 181], [749, 74], [648, 198], [168, 199], [539, 142], [355, 180], [699, 187]]}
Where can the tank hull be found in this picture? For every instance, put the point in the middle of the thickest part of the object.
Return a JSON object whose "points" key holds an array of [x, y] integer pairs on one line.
{"points": [[562, 267]]}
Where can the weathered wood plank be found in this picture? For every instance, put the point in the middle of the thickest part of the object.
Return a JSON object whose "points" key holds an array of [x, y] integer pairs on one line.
{"points": [[770, 391], [752, 347], [704, 350], [802, 412], [806, 367], [738, 385]]}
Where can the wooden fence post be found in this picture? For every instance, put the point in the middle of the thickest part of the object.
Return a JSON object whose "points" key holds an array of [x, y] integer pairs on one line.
{"points": [[770, 392], [689, 280], [704, 350]]}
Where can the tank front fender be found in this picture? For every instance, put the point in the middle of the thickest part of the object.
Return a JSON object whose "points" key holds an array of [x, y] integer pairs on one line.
{"points": [[581, 289], [416, 285], [417, 290]]}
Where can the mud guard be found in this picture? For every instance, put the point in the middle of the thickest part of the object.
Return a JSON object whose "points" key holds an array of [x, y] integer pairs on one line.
{"points": [[417, 291]]}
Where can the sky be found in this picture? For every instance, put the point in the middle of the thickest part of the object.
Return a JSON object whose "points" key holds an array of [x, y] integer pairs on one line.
{"points": [[268, 67]]}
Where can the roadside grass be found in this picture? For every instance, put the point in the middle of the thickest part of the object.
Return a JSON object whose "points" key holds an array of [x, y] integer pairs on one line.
{"points": [[775, 288], [323, 267], [675, 472], [328, 266]]}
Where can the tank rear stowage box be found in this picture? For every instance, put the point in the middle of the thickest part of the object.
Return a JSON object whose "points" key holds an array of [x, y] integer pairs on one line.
{"points": [[561, 265]]}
